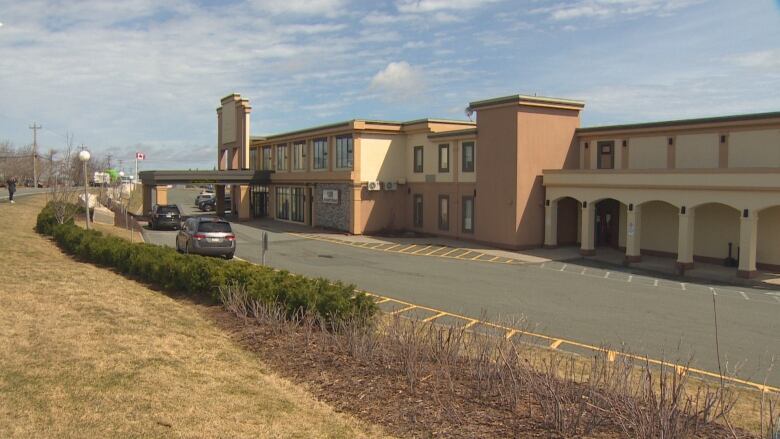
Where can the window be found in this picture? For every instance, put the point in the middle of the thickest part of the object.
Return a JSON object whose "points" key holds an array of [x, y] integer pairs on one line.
{"points": [[268, 164], [468, 215], [606, 155], [299, 156], [253, 159], [418, 159], [344, 151], [290, 202], [281, 157], [444, 212], [468, 157], [418, 210], [320, 153], [444, 157]]}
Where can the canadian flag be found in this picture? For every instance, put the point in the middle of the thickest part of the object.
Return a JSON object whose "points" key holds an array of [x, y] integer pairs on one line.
{"points": [[140, 156]]}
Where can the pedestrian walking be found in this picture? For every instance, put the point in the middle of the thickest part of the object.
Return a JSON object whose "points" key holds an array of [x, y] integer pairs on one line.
{"points": [[11, 184]]}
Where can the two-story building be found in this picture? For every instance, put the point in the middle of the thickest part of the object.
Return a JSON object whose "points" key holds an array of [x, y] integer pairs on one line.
{"points": [[523, 175]]}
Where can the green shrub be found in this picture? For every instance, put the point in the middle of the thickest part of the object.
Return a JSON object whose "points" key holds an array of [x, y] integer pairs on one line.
{"points": [[47, 218], [193, 274]]}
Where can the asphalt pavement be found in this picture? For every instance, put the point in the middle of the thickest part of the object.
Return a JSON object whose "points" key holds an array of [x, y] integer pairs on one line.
{"points": [[663, 318]]}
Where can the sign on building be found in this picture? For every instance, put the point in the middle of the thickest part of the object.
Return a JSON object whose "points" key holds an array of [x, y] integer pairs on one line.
{"points": [[330, 196]]}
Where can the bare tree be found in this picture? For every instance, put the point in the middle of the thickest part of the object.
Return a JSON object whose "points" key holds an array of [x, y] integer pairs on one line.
{"points": [[61, 193]]}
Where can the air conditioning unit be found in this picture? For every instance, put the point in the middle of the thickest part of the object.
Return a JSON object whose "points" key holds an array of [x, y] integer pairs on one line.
{"points": [[374, 185], [391, 185]]}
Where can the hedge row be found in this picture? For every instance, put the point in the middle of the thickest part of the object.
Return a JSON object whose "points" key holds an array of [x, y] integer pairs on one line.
{"points": [[194, 274]]}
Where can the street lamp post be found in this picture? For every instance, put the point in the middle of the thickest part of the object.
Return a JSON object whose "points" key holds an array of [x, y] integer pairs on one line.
{"points": [[84, 157]]}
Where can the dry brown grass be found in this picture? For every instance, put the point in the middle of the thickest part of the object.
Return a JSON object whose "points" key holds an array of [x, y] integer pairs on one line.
{"points": [[87, 353]]}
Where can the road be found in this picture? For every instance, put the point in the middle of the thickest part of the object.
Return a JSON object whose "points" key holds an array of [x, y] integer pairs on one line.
{"points": [[659, 317]]}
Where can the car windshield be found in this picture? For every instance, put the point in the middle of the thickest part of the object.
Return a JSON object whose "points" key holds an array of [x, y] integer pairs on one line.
{"points": [[214, 227], [169, 209]]}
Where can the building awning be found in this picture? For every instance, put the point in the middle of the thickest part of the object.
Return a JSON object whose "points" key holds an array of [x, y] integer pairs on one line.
{"points": [[159, 178]]}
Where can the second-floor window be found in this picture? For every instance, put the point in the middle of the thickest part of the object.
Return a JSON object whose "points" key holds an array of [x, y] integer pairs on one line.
{"points": [[468, 156], [299, 156], [281, 157], [606, 155], [418, 159], [268, 164], [344, 151], [444, 157], [320, 153]]}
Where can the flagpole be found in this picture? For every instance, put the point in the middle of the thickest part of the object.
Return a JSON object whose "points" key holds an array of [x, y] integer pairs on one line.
{"points": [[136, 168]]}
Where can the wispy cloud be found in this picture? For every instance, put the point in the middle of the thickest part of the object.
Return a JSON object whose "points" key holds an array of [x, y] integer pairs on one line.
{"points": [[580, 9]]}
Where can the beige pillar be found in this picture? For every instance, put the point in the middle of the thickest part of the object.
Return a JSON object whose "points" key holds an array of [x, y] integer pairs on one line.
{"points": [[685, 236], [633, 234], [587, 236], [243, 203], [551, 224], [220, 191], [162, 195], [748, 234], [147, 198]]}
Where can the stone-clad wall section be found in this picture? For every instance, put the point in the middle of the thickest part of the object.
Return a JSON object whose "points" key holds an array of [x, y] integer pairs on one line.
{"points": [[333, 216]]}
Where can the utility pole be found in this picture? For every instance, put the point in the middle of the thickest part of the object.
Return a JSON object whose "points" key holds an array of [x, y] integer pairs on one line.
{"points": [[35, 127], [108, 159]]}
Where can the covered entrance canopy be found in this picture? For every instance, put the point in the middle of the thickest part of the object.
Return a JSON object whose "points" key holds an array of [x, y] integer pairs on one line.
{"points": [[240, 179]]}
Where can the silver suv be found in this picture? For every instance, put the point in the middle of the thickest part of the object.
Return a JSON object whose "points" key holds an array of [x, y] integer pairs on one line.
{"points": [[206, 236]]}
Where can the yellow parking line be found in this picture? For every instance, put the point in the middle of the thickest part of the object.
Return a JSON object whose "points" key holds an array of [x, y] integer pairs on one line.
{"points": [[470, 324], [437, 249], [391, 247], [449, 252], [464, 254], [407, 248], [435, 316], [494, 258], [479, 255], [420, 250], [399, 311], [555, 344], [511, 334]]}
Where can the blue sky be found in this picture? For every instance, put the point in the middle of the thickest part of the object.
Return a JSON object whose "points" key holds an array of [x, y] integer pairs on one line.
{"points": [[147, 75]]}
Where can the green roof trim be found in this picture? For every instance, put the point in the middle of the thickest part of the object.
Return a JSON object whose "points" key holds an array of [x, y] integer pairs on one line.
{"points": [[454, 133], [520, 98], [679, 122]]}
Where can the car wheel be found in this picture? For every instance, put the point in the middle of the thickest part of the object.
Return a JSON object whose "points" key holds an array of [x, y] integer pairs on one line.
{"points": [[229, 256], [207, 208]]}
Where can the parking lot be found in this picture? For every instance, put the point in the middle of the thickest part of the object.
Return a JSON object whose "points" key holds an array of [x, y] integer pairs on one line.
{"points": [[577, 302]]}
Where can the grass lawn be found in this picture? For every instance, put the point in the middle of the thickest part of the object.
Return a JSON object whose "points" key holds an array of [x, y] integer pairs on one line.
{"points": [[88, 353]]}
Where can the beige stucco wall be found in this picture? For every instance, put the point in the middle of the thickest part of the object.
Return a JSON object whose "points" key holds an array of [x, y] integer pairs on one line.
{"points": [[647, 152], [382, 157], [715, 226], [229, 122], [759, 148], [659, 227], [768, 250], [697, 150]]}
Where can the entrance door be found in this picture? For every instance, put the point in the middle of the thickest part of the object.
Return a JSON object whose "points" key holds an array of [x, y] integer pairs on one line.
{"points": [[258, 201], [608, 223]]}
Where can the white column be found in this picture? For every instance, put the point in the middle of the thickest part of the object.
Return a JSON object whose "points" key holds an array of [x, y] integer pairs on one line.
{"points": [[633, 233], [587, 247], [550, 224], [685, 236], [748, 234]]}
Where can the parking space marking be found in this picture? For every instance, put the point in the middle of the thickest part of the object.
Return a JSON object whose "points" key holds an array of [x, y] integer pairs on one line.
{"points": [[421, 250], [391, 248], [407, 248], [557, 342], [744, 295]]}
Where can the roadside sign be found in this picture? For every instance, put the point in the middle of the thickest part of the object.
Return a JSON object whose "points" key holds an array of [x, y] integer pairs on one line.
{"points": [[263, 247]]}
